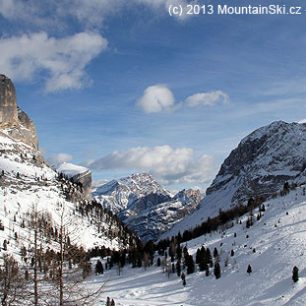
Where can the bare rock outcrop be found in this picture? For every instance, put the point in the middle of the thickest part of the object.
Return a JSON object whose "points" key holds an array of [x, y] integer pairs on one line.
{"points": [[13, 121]]}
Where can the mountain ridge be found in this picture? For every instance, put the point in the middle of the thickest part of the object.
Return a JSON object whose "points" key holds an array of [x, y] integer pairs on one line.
{"points": [[258, 167], [147, 211]]}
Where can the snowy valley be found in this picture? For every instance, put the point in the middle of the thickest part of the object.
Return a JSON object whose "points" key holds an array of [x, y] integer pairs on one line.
{"points": [[132, 240]]}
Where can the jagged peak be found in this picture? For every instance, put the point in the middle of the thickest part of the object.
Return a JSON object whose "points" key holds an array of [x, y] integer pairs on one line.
{"points": [[264, 130]]}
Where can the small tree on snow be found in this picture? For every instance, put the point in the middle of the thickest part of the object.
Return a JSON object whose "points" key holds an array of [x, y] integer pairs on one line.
{"points": [[99, 267], [249, 270], [295, 274], [217, 270]]}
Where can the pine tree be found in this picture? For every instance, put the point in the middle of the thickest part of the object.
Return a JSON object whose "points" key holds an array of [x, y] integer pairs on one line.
{"points": [[249, 270], [198, 256], [183, 277], [178, 268], [217, 270], [216, 254], [209, 257], [189, 264], [99, 267], [295, 274]]}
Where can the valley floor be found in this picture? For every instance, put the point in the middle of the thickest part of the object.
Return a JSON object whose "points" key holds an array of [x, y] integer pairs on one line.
{"points": [[279, 240]]}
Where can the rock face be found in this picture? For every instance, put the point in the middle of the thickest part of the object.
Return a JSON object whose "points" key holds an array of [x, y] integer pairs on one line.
{"points": [[13, 121], [144, 205], [8, 106], [264, 161], [258, 167], [78, 174]]}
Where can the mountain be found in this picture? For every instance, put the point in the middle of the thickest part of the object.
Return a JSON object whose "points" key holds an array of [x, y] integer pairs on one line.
{"points": [[144, 205], [117, 195], [76, 173], [27, 183], [259, 167], [272, 247], [13, 121]]}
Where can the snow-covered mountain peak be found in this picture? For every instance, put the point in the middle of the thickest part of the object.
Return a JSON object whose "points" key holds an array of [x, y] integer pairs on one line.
{"points": [[118, 194], [144, 205], [258, 167], [71, 169], [78, 174]]}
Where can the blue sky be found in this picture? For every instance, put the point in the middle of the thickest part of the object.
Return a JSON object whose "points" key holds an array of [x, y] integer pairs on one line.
{"points": [[131, 89]]}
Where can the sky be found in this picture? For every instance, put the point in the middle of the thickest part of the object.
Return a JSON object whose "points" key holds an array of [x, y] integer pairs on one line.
{"points": [[123, 87]]}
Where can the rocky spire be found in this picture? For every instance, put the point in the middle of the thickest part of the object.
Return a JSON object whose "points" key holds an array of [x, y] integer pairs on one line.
{"points": [[13, 121], [8, 106]]}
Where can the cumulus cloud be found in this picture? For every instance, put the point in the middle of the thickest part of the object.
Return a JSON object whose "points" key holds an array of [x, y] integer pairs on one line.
{"points": [[59, 158], [206, 98], [171, 165], [156, 98], [64, 59]]}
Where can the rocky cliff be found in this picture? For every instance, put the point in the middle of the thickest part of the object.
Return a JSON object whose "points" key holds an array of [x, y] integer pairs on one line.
{"points": [[264, 161], [258, 167], [78, 174], [13, 121]]}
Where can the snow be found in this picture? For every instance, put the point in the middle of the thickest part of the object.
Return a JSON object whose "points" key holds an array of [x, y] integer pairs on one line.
{"points": [[36, 185], [118, 194], [279, 239], [260, 165], [144, 205], [70, 169]]}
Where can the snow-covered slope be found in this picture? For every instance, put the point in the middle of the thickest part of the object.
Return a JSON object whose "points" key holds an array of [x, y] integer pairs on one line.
{"points": [[71, 170], [144, 205], [27, 182], [117, 195], [78, 174], [272, 246], [258, 167]]}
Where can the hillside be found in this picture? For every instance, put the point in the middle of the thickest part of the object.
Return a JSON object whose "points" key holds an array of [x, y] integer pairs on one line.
{"points": [[275, 244], [259, 166], [26, 181]]}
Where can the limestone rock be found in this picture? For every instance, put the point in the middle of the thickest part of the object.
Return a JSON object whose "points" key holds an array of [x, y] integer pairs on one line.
{"points": [[78, 174], [13, 121], [8, 106]]}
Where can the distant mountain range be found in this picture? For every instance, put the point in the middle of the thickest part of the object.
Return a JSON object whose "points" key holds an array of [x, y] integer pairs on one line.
{"points": [[144, 205]]}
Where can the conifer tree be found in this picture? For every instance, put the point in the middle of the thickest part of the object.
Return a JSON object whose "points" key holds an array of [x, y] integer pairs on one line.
{"points": [[99, 267], [249, 270], [178, 268], [295, 274], [189, 264], [216, 254], [217, 270]]}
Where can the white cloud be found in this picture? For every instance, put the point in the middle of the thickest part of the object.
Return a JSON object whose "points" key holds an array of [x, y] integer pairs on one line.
{"points": [[206, 98], [171, 165], [59, 159], [87, 13], [156, 98], [64, 59]]}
